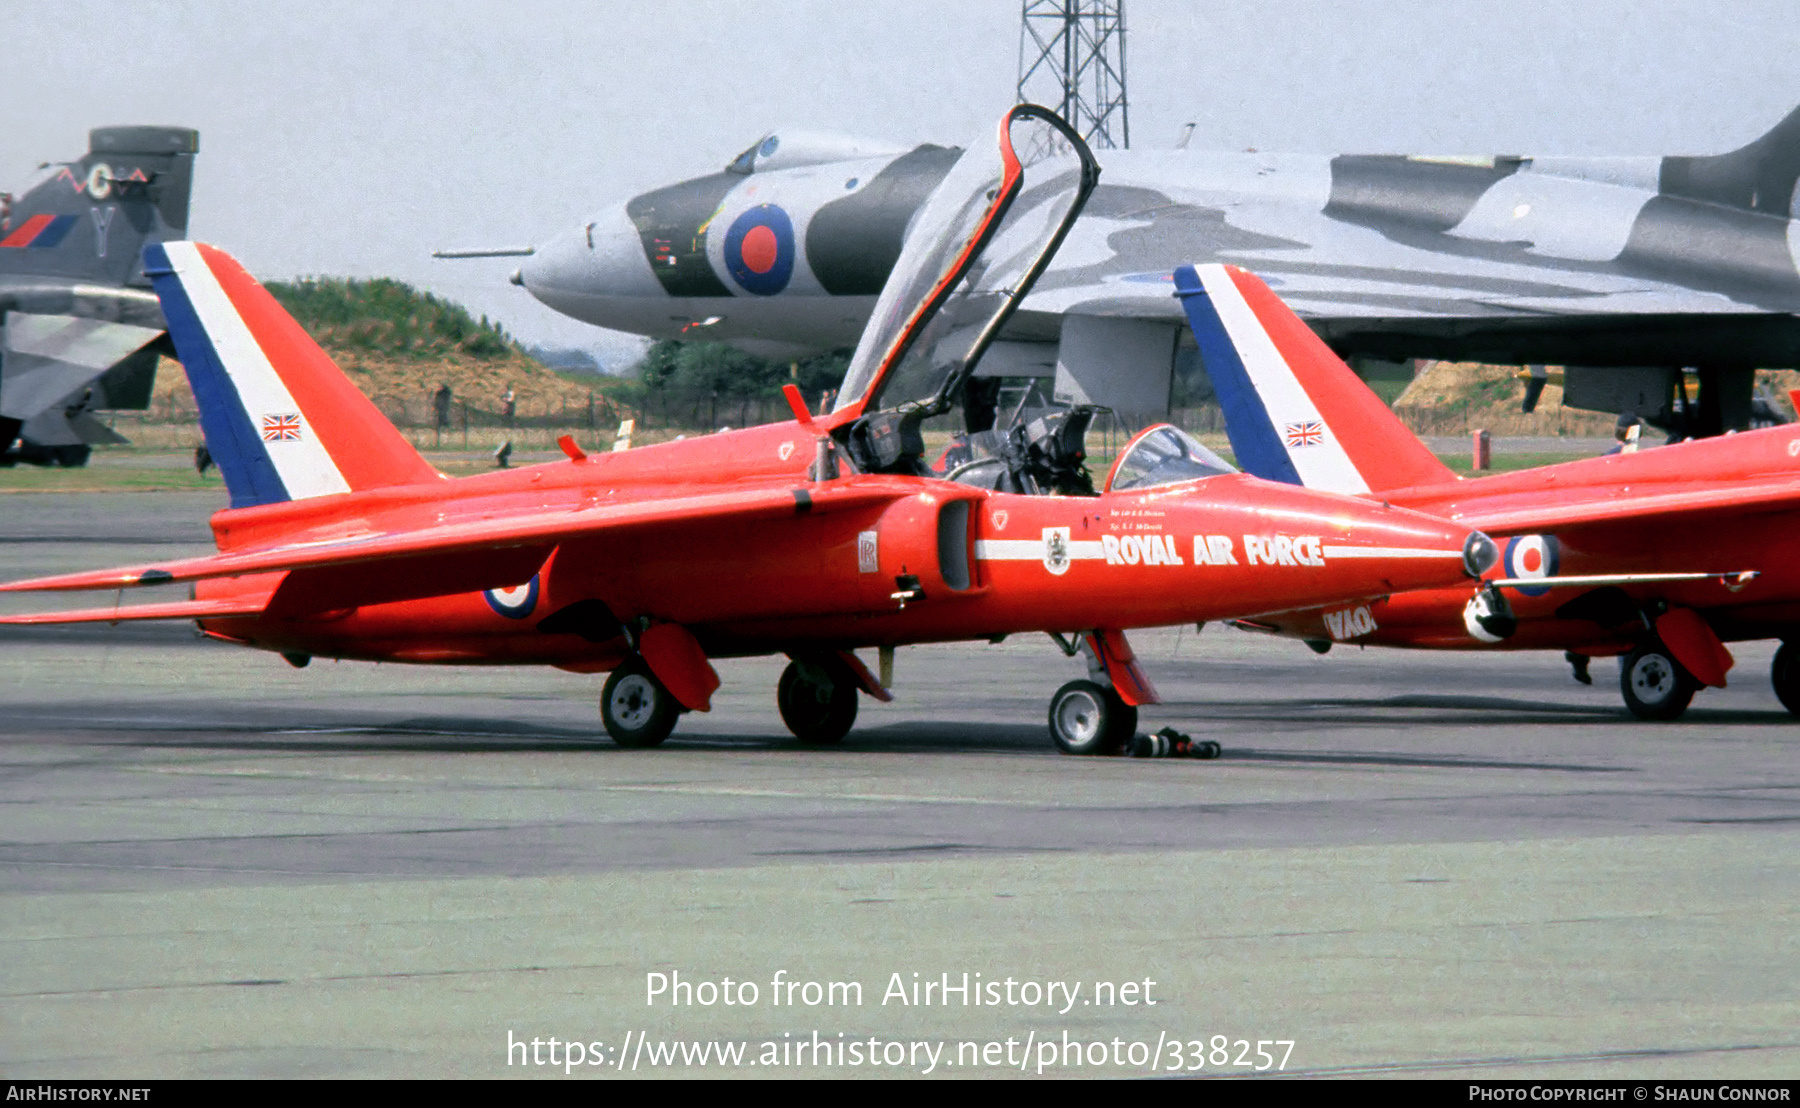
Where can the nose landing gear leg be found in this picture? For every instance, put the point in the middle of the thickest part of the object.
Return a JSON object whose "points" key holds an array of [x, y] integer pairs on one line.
{"points": [[637, 710], [1089, 716], [1654, 684]]}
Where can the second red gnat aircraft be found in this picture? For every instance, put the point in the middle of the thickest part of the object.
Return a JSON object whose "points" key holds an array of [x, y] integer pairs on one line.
{"points": [[811, 538], [1658, 557]]}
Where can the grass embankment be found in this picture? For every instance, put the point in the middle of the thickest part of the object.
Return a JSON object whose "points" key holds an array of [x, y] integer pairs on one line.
{"points": [[399, 346], [1457, 398]]}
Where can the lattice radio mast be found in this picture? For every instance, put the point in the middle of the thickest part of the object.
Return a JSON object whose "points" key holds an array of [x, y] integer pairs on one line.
{"points": [[1072, 59]]}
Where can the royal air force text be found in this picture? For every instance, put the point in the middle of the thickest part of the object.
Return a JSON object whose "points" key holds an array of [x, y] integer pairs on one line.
{"points": [[1213, 550]]}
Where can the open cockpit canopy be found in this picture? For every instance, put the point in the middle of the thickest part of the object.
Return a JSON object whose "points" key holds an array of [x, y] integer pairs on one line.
{"points": [[975, 250]]}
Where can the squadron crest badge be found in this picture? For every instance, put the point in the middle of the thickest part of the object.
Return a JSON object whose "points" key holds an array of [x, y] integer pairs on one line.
{"points": [[1056, 550]]}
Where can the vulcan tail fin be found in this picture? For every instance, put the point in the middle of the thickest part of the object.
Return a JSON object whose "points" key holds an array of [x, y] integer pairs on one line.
{"points": [[1293, 410], [90, 219], [1759, 176], [280, 419]]}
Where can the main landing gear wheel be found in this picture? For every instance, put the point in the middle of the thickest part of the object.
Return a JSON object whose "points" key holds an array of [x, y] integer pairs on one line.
{"points": [[1086, 718], [1785, 675], [1654, 684], [817, 703], [637, 710]]}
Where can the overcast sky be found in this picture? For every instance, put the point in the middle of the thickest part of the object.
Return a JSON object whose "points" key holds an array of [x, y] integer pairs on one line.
{"points": [[353, 138]]}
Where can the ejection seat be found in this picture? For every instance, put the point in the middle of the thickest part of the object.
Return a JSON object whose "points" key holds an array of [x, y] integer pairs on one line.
{"points": [[1045, 456]]}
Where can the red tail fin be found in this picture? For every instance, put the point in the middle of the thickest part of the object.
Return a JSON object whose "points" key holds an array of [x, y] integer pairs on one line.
{"points": [[1295, 412]]}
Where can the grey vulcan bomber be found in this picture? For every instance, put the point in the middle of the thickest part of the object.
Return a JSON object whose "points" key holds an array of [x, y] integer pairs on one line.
{"points": [[1623, 269], [80, 329]]}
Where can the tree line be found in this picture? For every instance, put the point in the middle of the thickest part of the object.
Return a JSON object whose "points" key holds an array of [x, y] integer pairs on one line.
{"points": [[710, 384]]}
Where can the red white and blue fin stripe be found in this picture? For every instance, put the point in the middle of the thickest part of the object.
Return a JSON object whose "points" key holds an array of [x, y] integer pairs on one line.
{"points": [[280, 419], [1293, 410], [43, 231]]}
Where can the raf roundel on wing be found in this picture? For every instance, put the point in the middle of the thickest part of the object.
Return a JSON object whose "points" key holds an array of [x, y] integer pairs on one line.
{"points": [[759, 250]]}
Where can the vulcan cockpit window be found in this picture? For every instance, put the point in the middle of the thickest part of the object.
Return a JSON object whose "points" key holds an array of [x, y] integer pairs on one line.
{"points": [[1165, 455], [745, 164]]}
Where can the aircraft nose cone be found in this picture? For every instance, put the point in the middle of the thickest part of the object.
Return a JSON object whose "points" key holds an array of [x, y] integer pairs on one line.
{"points": [[1367, 545], [601, 261]]}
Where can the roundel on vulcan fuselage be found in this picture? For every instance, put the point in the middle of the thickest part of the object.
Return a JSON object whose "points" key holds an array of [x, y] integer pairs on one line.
{"points": [[759, 250]]}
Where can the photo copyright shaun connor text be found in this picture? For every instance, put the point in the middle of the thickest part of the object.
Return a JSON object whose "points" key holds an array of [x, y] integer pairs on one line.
{"points": [[1033, 1051]]}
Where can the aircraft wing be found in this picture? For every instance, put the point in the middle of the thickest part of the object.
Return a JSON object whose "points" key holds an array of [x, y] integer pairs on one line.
{"points": [[180, 609], [48, 357], [1687, 503], [54, 370], [542, 530]]}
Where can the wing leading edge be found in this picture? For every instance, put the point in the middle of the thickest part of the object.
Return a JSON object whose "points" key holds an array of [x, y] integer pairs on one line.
{"points": [[180, 609], [1712, 499], [540, 530]]}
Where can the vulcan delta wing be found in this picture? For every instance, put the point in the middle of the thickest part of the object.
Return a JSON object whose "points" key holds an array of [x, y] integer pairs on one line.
{"points": [[1660, 556], [82, 329], [1624, 269], [812, 538]]}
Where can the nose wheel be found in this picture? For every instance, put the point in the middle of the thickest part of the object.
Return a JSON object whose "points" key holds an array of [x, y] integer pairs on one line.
{"points": [[637, 711], [817, 701], [1088, 718], [1654, 684]]}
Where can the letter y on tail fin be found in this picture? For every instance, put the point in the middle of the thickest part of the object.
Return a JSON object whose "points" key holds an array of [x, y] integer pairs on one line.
{"points": [[1293, 410]]}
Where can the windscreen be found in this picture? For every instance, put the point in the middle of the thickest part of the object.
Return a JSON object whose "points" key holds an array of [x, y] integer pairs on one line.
{"points": [[980, 240], [1165, 455]]}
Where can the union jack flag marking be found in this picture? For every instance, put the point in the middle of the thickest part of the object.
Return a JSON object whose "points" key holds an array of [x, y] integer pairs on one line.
{"points": [[281, 428], [1310, 433]]}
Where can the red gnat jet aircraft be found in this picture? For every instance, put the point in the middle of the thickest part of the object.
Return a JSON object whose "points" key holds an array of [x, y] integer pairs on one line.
{"points": [[1658, 556], [810, 538]]}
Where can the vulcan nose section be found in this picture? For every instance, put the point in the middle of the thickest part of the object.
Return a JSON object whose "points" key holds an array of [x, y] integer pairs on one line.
{"points": [[597, 273]]}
